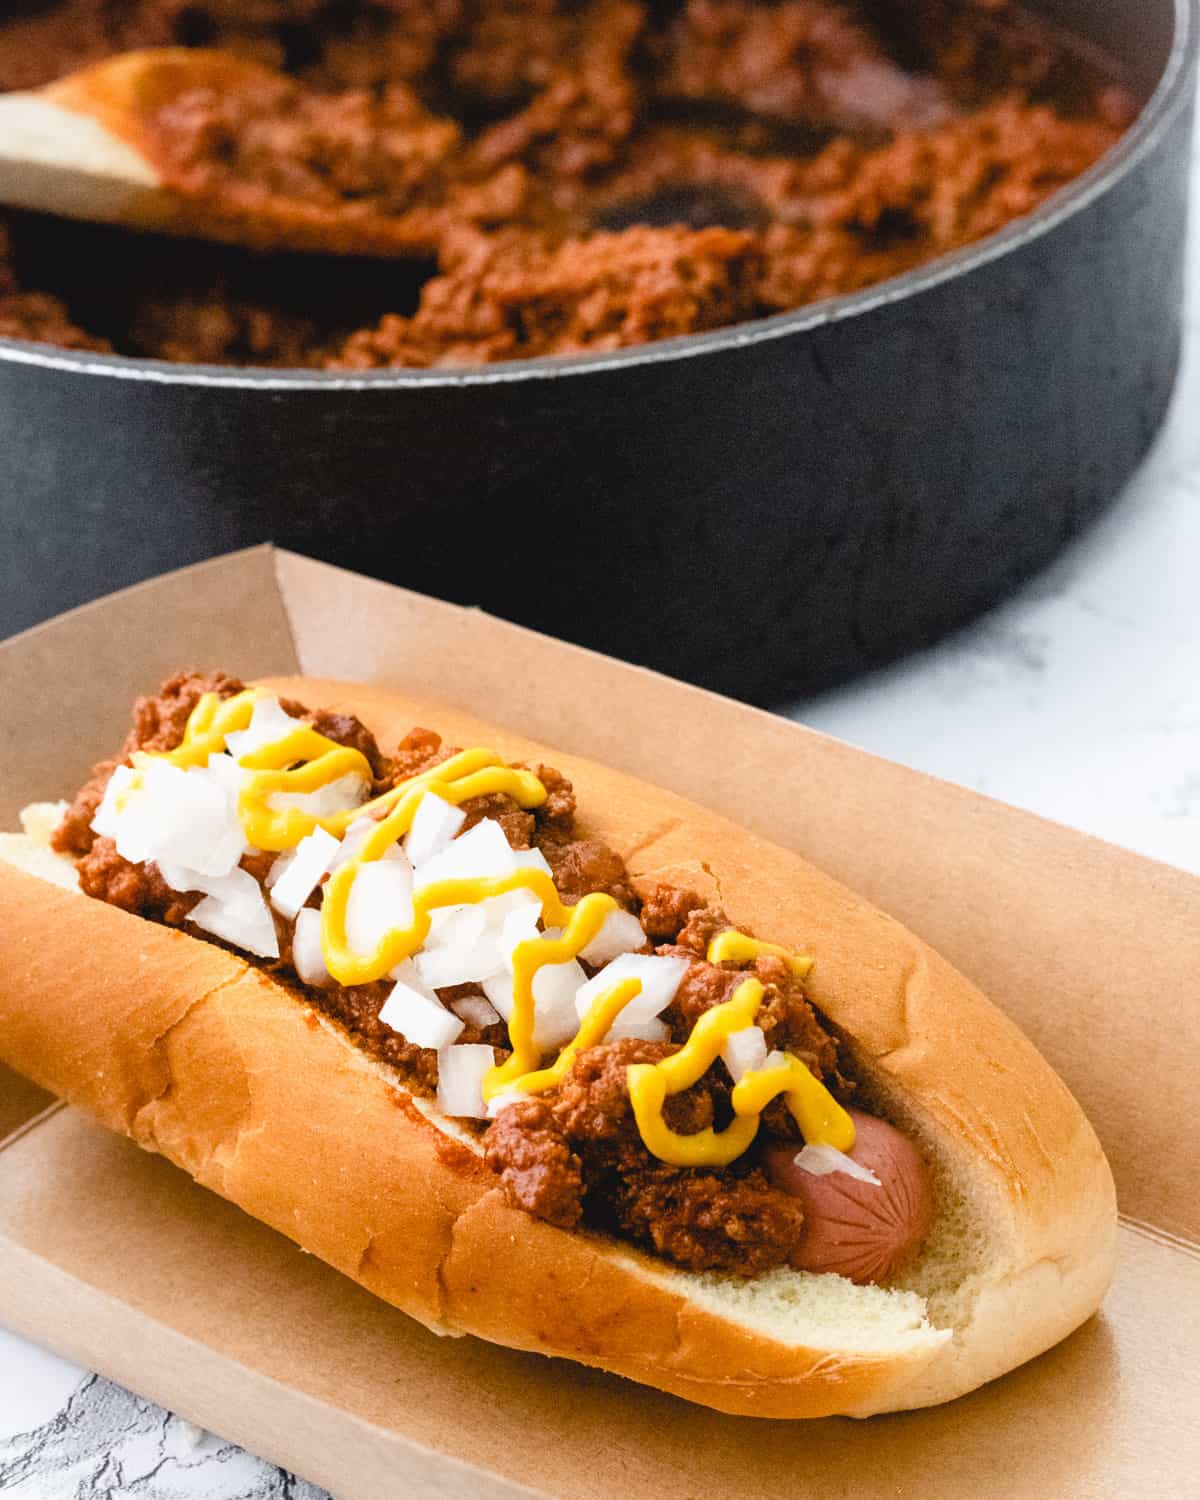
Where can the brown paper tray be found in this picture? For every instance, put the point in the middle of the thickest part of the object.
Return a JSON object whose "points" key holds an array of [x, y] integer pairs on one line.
{"points": [[117, 1260]]}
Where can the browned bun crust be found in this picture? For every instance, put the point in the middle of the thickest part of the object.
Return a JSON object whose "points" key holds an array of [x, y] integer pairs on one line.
{"points": [[197, 1055]]}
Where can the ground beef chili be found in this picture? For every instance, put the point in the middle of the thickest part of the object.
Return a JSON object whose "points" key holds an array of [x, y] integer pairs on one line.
{"points": [[577, 174], [159, 721], [573, 1155]]}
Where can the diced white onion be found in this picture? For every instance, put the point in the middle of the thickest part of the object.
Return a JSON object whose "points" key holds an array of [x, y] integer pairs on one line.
{"points": [[237, 886], [774, 1059], [197, 818], [268, 723], [554, 1018], [531, 859], [558, 983], [462, 948], [419, 1020], [466, 944], [440, 968], [314, 854], [162, 812], [279, 868], [433, 827], [227, 772], [821, 1160], [238, 913], [553, 1027], [554, 989], [406, 972], [380, 900], [744, 1051], [251, 932], [233, 908], [338, 796], [520, 926], [642, 1031], [499, 990], [475, 1010], [621, 933], [660, 978], [307, 958], [498, 909], [480, 853], [40, 819], [120, 783], [461, 1071], [355, 837], [456, 926]]}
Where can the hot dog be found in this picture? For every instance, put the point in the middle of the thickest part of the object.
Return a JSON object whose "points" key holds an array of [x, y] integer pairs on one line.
{"points": [[547, 1055], [865, 1224]]}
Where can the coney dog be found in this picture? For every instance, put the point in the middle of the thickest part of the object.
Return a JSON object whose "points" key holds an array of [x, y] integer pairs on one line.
{"points": [[540, 1053]]}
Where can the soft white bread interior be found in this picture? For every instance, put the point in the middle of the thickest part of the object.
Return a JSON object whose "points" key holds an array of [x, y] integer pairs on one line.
{"points": [[196, 1054]]}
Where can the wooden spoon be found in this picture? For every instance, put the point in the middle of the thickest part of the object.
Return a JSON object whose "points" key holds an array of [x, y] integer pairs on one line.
{"points": [[83, 148]]}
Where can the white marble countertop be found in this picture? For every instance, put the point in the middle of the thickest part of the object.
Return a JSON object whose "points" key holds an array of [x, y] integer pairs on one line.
{"points": [[1078, 699]]}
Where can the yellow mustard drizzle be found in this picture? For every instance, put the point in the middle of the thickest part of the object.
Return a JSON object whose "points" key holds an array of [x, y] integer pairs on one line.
{"points": [[732, 946], [650, 1083], [210, 721], [488, 770], [473, 773], [821, 1118], [584, 921], [304, 761], [582, 924], [594, 1027]]}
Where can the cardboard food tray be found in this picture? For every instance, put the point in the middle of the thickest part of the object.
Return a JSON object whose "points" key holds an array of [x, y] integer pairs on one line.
{"points": [[115, 1259]]}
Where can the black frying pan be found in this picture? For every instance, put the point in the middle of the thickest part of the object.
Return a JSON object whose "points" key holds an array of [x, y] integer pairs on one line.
{"points": [[763, 509]]}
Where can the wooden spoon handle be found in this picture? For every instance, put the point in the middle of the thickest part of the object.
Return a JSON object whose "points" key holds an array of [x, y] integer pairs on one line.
{"points": [[84, 148], [59, 161]]}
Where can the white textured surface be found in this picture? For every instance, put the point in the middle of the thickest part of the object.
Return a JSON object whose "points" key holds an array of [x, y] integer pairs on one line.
{"points": [[1079, 699]]}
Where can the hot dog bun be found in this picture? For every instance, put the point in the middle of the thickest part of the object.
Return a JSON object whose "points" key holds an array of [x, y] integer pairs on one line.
{"points": [[196, 1054]]}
